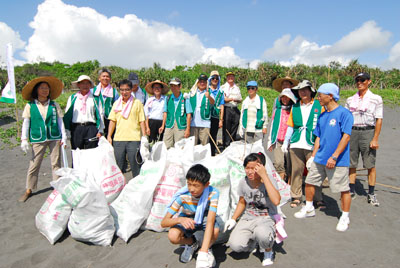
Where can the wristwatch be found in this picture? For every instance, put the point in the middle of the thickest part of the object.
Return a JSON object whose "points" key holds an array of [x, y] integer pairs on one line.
{"points": [[334, 158]]}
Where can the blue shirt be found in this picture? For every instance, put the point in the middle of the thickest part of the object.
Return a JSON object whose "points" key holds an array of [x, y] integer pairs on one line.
{"points": [[197, 121], [330, 129], [188, 106], [214, 94], [154, 108]]}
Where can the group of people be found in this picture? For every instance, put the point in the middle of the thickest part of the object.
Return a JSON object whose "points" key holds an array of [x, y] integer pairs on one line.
{"points": [[309, 133]]}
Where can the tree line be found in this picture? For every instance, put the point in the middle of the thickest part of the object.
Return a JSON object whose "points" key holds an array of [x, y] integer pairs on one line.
{"points": [[265, 73]]}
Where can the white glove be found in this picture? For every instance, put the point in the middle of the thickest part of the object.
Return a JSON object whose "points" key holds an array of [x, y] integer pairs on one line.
{"points": [[284, 148], [203, 260], [186, 96], [24, 146], [229, 225], [309, 162]]}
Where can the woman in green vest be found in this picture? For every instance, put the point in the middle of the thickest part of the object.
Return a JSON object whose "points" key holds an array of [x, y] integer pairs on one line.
{"points": [[43, 127], [280, 114]]}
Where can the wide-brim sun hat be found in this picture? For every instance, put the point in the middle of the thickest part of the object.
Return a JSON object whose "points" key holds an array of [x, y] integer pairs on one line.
{"points": [[277, 83], [56, 87], [149, 87], [301, 85], [82, 78], [288, 93]]}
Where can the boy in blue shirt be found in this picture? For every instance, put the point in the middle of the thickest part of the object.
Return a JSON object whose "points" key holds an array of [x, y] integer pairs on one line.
{"points": [[331, 155], [199, 203]]}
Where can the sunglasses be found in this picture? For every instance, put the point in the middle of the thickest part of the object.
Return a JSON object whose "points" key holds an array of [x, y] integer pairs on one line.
{"points": [[251, 88], [214, 78], [362, 80]]}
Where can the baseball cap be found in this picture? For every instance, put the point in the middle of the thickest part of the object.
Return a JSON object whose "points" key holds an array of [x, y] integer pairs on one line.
{"points": [[175, 81], [203, 77], [134, 78], [363, 75], [252, 84]]}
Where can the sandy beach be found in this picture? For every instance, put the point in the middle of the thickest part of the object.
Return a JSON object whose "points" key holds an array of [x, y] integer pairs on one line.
{"points": [[371, 241]]}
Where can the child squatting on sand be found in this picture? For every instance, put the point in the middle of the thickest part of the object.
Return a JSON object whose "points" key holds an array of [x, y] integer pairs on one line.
{"points": [[258, 198], [199, 202]]}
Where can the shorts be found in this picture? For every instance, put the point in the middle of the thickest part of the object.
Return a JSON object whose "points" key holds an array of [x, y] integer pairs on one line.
{"points": [[198, 227], [338, 177], [359, 144]]}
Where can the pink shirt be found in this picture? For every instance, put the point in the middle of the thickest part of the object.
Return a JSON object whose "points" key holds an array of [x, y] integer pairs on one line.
{"points": [[283, 124]]}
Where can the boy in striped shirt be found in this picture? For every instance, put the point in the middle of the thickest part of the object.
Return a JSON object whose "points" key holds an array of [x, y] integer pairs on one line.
{"points": [[199, 203]]}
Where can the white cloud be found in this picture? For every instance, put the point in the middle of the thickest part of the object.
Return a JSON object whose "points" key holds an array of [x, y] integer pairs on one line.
{"points": [[8, 35], [393, 60], [299, 50], [224, 56], [69, 34]]}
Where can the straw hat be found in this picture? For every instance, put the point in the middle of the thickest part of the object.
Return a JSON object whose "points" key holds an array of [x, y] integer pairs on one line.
{"points": [[56, 87], [150, 90], [277, 83]]}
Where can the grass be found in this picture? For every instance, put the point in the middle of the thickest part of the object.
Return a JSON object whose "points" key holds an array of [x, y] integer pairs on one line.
{"points": [[8, 130]]}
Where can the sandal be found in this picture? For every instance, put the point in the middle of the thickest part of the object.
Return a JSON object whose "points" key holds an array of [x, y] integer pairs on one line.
{"points": [[295, 203]]}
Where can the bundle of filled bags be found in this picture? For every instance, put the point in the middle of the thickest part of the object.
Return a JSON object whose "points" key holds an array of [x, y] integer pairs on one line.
{"points": [[94, 198]]}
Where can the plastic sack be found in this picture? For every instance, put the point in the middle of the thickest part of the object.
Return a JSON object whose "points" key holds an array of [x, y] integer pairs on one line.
{"points": [[91, 220], [133, 205], [52, 218], [172, 180], [101, 163]]}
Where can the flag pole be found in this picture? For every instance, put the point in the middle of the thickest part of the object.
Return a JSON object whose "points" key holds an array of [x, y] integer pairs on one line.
{"points": [[16, 117]]}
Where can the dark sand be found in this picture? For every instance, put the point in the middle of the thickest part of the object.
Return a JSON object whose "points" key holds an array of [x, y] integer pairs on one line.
{"points": [[373, 238]]}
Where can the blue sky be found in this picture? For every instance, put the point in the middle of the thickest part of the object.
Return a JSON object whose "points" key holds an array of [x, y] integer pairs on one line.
{"points": [[186, 32]]}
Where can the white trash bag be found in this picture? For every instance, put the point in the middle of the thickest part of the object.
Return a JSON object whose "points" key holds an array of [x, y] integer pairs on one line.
{"points": [[52, 218], [91, 220], [101, 163], [133, 205], [172, 180]]}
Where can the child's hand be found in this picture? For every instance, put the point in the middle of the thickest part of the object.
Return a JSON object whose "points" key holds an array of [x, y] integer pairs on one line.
{"points": [[260, 170], [188, 223]]}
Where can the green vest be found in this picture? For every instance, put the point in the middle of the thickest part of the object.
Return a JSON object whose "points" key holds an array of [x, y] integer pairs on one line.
{"points": [[259, 122], [42, 130], [310, 125], [107, 103], [215, 108], [205, 108], [277, 121], [68, 115], [179, 113]]}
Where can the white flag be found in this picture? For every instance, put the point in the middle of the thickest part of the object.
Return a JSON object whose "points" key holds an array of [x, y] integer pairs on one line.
{"points": [[8, 93]]}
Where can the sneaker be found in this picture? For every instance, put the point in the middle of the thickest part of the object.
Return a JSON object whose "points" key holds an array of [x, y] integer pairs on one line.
{"points": [[187, 253], [303, 213], [343, 224], [268, 258], [353, 195], [211, 258], [373, 200]]}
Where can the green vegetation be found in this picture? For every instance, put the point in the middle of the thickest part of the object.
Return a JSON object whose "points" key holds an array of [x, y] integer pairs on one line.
{"points": [[265, 73], [384, 83]]}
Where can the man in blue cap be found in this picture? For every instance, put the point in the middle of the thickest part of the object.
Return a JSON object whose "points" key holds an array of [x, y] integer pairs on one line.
{"points": [[254, 115], [331, 154]]}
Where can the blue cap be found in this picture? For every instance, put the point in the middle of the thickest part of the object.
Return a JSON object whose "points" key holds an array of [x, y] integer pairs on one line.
{"points": [[330, 88], [252, 84]]}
